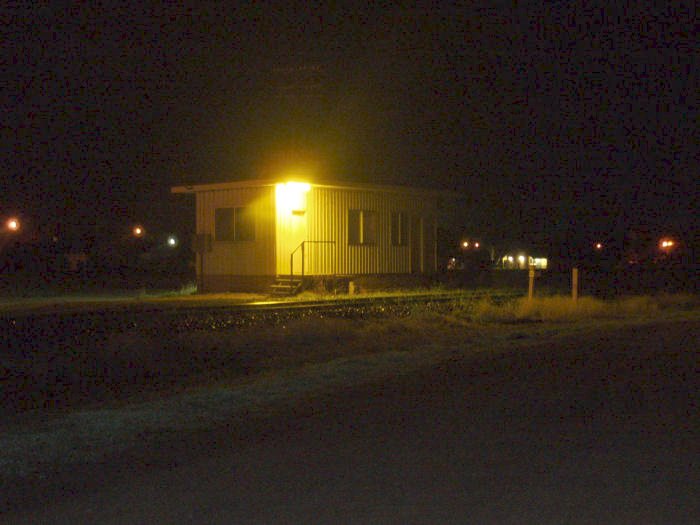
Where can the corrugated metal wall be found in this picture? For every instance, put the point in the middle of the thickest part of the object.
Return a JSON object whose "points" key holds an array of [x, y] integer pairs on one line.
{"points": [[239, 257], [291, 231], [327, 216], [277, 235]]}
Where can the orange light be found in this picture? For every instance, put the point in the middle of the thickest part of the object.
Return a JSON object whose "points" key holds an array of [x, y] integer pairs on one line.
{"points": [[465, 244], [598, 246], [12, 224], [138, 231], [666, 244]]}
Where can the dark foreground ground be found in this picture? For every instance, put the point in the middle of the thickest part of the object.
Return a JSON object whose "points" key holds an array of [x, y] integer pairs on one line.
{"points": [[603, 428]]}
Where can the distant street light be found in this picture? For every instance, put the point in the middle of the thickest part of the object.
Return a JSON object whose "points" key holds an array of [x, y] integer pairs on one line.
{"points": [[12, 224], [172, 241], [138, 231], [598, 246], [666, 244]]}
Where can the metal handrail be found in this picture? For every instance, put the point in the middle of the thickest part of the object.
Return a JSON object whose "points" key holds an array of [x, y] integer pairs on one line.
{"points": [[302, 246]]}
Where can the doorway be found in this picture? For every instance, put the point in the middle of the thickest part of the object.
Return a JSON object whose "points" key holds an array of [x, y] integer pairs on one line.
{"points": [[416, 244]]}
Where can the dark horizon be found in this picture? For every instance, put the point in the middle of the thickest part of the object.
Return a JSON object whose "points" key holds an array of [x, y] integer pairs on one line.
{"points": [[561, 122]]}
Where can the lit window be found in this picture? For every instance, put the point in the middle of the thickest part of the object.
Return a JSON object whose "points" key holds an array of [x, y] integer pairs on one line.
{"points": [[234, 224], [362, 227], [399, 229]]}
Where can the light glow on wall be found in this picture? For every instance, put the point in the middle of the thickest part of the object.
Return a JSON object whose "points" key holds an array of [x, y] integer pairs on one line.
{"points": [[291, 197]]}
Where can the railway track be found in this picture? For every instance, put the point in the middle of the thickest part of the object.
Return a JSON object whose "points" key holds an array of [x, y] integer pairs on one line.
{"points": [[42, 327]]}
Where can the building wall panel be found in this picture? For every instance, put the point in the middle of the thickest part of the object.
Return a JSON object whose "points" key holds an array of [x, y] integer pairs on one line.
{"points": [[239, 257], [292, 230], [327, 213]]}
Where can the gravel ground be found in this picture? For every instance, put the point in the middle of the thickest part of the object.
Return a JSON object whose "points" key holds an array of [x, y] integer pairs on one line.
{"points": [[593, 423]]}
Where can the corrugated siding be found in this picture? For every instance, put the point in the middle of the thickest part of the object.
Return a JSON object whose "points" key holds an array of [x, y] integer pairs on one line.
{"points": [[327, 216], [244, 257], [291, 231]]}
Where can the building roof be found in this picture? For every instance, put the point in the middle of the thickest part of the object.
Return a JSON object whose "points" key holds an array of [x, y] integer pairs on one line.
{"points": [[256, 183]]}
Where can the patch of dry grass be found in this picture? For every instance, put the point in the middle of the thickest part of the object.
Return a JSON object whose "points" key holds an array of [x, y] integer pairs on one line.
{"points": [[565, 309]]}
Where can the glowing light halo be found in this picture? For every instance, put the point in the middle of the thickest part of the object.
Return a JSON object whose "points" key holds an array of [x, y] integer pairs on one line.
{"points": [[666, 243], [291, 197], [12, 224]]}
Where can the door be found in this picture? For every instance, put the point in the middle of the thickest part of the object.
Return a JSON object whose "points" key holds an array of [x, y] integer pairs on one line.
{"points": [[416, 244]]}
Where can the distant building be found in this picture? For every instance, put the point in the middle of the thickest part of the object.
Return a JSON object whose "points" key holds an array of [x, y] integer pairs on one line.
{"points": [[251, 234], [519, 260]]}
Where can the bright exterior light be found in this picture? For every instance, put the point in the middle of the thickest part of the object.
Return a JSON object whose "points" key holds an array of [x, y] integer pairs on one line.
{"points": [[476, 245], [666, 244], [598, 246], [172, 241], [510, 258], [521, 259], [138, 231], [540, 263], [12, 224], [291, 197]]}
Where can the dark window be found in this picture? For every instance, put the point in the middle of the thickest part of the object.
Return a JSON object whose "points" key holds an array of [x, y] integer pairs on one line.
{"points": [[369, 227], [234, 224], [355, 227], [399, 229], [245, 224], [362, 227], [223, 224]]}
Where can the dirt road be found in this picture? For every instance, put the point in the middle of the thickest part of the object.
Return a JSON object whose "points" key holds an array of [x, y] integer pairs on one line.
{"points": [[597, 429]]}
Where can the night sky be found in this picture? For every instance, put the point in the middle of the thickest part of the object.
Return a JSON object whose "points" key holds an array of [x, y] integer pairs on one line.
{"points": [[556, 121]]}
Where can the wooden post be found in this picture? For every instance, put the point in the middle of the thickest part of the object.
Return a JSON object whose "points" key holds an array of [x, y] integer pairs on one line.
{"points": [[200, 277], [531, 283], [574, 284]]}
